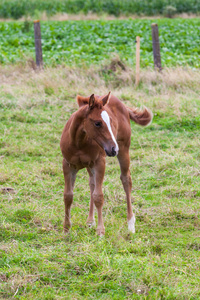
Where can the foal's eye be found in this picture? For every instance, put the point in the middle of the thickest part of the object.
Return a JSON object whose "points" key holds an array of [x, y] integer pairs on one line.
{"points": [[98, 124]]}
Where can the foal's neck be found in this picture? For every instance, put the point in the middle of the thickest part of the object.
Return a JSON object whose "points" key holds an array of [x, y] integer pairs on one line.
{"points": [[77, 132]]}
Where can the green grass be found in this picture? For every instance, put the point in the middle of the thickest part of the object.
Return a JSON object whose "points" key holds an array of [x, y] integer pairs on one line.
{"points": [[161, 260], [86, 42]]}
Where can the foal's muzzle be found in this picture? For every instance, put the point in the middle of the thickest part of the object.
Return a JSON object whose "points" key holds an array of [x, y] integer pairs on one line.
{"points": [[112, 152]]}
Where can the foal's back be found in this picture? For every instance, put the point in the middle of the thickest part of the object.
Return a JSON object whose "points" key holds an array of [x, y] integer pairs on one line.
{"points": [[121, 118]]}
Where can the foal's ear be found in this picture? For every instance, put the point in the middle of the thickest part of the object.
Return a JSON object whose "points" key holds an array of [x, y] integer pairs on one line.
{"points": [[82, 100], [106, 99], [91, 101]]}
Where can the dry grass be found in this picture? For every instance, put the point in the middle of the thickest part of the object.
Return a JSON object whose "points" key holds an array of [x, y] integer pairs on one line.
{"points": [[168, 89], [92, 16]]}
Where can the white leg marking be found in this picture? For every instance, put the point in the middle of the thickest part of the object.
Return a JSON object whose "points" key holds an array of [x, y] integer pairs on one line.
{"points": [[91, 223], [131, 224], [106, 119]]}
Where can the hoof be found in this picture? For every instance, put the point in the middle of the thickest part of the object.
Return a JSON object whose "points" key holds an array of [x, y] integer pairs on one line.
{"points": [[101, 235], [91, 223], [101, 232], [131, 224], [66, 229]]}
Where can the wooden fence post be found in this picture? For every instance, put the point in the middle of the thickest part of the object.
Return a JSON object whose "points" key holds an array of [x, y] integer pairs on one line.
{"points": [[38, 44], [156, 47], [137, 79]]}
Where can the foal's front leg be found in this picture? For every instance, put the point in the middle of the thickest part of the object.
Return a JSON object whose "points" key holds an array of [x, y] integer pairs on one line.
{"points": [[91, 219], [125, 177], [99, 171], [70, 177]]}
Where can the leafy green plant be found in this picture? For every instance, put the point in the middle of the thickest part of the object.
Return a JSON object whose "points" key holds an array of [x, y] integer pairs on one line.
{"points": [[88, 42]]}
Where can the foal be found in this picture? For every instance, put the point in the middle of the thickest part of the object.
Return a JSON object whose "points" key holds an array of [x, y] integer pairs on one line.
{"points": [[100, 127]]}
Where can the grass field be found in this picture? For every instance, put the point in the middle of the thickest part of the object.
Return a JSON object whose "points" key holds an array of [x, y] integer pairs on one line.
{"points": [[161, 260]]}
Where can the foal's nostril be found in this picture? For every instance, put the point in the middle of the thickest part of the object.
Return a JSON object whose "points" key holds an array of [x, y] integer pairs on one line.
{"points": [[113, 151]]}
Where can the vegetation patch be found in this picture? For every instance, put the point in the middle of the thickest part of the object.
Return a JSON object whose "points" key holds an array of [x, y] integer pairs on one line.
{"points": [[16, 9], [161, 260], [85, 42], [22, 215]]}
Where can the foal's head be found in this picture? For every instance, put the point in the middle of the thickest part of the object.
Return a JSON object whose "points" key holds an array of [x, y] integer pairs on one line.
{"points": [[97, 123]]}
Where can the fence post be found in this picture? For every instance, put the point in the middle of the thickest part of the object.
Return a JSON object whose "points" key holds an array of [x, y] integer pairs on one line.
{"points": [[38, 44], [137, 79], [156, 47]]}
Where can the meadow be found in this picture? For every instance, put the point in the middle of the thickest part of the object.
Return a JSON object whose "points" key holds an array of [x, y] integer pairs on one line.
{"points": [[161, 260], [93, 42]]}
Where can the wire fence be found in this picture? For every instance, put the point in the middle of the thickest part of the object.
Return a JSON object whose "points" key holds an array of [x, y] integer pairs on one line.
{"points": [[94, 42]]}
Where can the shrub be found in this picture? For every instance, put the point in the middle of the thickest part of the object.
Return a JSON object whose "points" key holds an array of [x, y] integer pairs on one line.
{"points": [[169, 11]]}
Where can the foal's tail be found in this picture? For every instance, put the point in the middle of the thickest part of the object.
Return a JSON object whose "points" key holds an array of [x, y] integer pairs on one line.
{"points": [[142, 117]]}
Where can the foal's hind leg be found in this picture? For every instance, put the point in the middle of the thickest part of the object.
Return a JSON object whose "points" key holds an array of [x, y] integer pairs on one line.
{"points": [[91, 219], [70, 176], [125, 177]]}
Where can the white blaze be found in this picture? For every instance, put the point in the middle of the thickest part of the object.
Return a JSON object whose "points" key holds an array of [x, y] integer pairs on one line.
{"points": [[131, 224], [106, 119]]}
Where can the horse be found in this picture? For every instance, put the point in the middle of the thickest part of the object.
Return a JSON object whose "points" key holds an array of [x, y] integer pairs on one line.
{"points": [[99, 128]]}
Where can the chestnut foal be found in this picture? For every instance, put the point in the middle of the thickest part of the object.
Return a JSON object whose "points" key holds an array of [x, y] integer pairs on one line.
{"points": [[100, 127]]}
